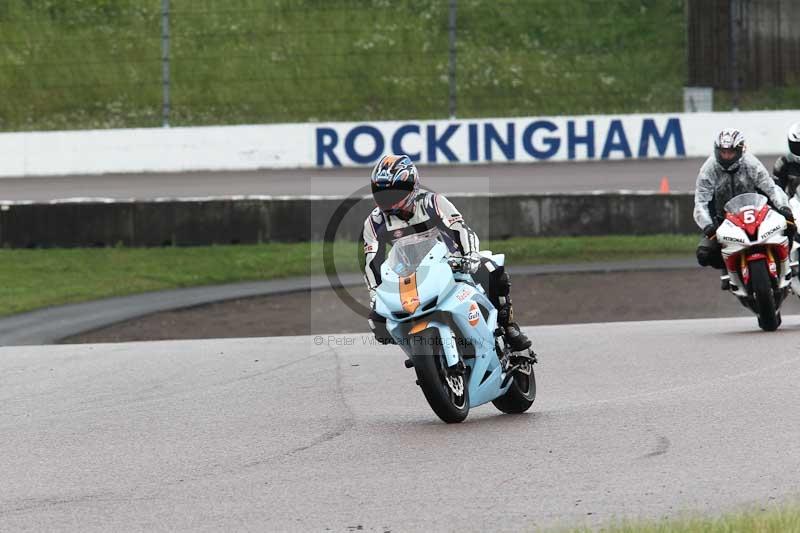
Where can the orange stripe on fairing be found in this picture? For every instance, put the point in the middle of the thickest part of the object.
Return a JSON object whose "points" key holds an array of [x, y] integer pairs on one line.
{"points": [[419, 326], [409, 296]]}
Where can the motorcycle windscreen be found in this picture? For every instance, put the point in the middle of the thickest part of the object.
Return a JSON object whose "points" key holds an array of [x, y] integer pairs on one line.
{"points": [[408, 252], [749, 200]]}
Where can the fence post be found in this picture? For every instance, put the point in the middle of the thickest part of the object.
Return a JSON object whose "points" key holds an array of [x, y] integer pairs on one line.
{"points": [[452, 66], [165, 81], [734, 28]]}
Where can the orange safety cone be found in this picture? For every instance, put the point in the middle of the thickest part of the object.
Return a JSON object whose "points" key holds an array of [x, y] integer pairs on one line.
{"points": [[664, 188]]}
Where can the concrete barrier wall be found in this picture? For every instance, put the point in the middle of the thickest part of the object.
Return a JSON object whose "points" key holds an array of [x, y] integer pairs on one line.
{"points": [[271, 219]]}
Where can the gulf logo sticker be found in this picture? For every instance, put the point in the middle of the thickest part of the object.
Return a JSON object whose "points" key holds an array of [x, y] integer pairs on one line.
{"points": [[474, 314]]}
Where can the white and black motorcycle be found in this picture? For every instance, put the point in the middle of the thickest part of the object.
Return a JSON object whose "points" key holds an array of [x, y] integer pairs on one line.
{"points": [[794, 254], [756, 254]]}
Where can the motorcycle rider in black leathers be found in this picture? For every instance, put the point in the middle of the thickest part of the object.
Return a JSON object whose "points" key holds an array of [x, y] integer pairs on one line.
{"points": [[403, 208], [786, 170], [728, 173]]}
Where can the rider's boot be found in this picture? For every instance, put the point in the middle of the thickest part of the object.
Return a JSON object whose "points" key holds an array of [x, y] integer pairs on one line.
{"points": [[514, 337]]}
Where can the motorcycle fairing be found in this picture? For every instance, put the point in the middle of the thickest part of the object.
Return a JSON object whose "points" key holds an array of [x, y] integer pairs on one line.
{"points": [[733, 237], [456, 308]]}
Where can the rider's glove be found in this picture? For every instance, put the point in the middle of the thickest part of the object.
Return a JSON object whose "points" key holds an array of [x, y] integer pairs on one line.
{"points": [[470, 263], [710, 231], [786, 211], [791, 228], [377, 324]]}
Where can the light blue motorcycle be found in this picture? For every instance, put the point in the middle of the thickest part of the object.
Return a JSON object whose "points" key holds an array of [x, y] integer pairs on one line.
{"points": [[447, 326]]}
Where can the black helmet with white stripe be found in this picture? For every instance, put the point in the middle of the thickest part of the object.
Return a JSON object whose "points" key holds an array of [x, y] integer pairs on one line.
{"points": [[794, 139], [728, 149]]}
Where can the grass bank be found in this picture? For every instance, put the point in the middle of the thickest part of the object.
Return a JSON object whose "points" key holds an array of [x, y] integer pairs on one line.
{"points": [[77, 64], [30, 279]]}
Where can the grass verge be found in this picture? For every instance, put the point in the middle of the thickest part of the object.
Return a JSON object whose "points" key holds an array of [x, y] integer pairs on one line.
{"points": [[32, 279], [777, 520]]}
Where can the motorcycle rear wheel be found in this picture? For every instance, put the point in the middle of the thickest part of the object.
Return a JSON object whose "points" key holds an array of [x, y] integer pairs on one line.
{"points": [[769, 317], [520, 395], [433, 374]]}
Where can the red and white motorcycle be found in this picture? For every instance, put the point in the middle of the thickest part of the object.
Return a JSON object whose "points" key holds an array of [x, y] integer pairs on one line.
{"points": [[756, 253]]}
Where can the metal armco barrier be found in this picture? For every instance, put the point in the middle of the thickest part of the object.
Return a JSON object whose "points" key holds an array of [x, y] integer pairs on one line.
{"points": [[251, 220]]}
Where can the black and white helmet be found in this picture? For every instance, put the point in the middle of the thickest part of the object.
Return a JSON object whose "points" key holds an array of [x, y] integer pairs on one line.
{"points": [[794, 139], [728, 148]]}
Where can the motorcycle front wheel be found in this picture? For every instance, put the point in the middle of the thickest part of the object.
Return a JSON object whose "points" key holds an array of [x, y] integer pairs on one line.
{"points": [[769, 317], [447, 392]]}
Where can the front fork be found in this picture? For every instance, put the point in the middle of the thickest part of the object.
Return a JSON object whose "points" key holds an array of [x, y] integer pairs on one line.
{"points": [[784, 271]]}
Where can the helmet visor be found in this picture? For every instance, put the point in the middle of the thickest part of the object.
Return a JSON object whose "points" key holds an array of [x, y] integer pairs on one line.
{"points": [[728, 157], [390, 199]]}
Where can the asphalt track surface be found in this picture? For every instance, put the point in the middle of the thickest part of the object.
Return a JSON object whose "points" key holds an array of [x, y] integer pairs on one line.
{"points": [[549, 299], [506, 178], [635, 419], [49, 325]]}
